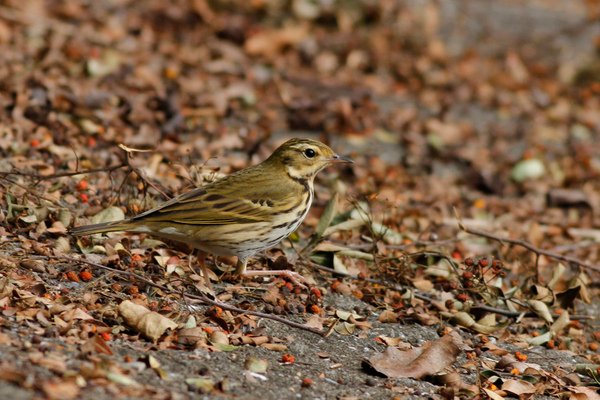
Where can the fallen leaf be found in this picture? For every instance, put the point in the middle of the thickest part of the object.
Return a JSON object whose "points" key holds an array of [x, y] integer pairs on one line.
{"points": [[255, 364], [528, 170], [518, 387], [60, 390], [315, 321], [109, 214], [388, 316], [149, 323], [327, 216], [203, 385], [121, 379], [541, 309], [417, 362], [274, 346], [583, 393], [96, 344], [271, 42], [493, 395]]}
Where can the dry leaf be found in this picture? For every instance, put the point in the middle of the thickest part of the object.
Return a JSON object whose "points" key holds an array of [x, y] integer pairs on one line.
{"points": [[60, 389], [541, 309], [109, 214], [518, 387], [258, 365], [583, 393], [96, 344], [417, 362], [149, 323]]}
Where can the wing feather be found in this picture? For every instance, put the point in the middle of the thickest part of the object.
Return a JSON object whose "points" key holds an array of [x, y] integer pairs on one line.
{"points": [[218, 203]]}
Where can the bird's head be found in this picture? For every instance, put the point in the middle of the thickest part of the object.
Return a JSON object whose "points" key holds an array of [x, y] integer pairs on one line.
{"points": [[304, 158]]}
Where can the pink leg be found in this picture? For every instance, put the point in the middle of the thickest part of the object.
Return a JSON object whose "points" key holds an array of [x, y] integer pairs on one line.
{"points": [[201, 256], [295, 277]]}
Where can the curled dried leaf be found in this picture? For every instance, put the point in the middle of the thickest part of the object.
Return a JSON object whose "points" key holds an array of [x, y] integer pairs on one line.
{"points": [[149, 323]]}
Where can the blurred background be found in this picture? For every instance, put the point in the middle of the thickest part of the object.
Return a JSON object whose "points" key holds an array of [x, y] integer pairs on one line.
{"points": [[476, 104]]}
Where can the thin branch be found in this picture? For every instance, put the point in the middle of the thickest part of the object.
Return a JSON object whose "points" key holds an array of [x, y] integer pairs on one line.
{"points": [[523, 243], [30, 191], [126, 163], [147, 181], [62, 174], [200, 298]]}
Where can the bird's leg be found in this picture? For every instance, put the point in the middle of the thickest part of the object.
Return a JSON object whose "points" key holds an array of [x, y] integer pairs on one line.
{"points": [[295, 277], [201, 257], [204, 268]]}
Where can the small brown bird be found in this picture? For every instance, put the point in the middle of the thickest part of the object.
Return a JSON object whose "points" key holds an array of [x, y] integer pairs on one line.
{"points": [[241, 214]]}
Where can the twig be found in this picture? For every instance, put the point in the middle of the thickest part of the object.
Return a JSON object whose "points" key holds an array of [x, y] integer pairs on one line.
{"points": [[147, 182], [30, 191], [201, 298], [417, 243], [515, 314], [523, 243], [63, 174]]}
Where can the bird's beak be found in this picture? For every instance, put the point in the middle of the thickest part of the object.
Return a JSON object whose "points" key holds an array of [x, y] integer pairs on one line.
{"points": [[340, 159]]}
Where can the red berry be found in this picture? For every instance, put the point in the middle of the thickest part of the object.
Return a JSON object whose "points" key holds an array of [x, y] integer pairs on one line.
{"points": [[288, 358], [306, 382], [82, 185], [85, 276]]}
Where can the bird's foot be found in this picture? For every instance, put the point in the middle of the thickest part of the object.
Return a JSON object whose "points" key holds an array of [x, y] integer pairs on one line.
{"points": [[295, 277], [205, 271]]}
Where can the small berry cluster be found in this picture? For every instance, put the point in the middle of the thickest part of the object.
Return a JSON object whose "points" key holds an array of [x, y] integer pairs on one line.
{"points": [[314, 302], [475, 275]]}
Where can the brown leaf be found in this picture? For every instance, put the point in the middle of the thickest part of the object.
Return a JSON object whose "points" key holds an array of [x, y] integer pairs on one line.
{"points": [[583, 393], [52, 362], [151, 324], [518, 387], [62, 390], [417, 363], [96, 344], [191, 336], [274, 346], [271, 42], [388, 316], [315, 321], [10, 374], [541, 309]]}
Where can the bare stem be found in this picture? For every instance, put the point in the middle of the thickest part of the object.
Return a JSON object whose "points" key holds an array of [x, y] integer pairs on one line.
{"points": [[536, 250]]}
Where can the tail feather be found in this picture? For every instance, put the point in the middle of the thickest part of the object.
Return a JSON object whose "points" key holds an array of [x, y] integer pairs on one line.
{"points": [[104, 227]]}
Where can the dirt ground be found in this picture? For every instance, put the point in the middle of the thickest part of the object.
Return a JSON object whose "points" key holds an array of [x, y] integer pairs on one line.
{"points": [[334, 364]]}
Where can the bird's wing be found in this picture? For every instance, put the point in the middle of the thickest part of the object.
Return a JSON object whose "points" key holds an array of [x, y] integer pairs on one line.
{"points": [[205, 207]]}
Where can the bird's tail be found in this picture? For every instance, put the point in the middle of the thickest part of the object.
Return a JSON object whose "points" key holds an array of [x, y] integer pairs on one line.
{"points": [[104, 227]]}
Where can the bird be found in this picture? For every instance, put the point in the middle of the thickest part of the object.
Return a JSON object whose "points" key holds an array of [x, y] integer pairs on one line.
{"points": [[244, 213]]}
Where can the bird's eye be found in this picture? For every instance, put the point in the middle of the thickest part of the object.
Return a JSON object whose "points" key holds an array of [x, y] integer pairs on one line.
{"points": [[310, 153]]}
